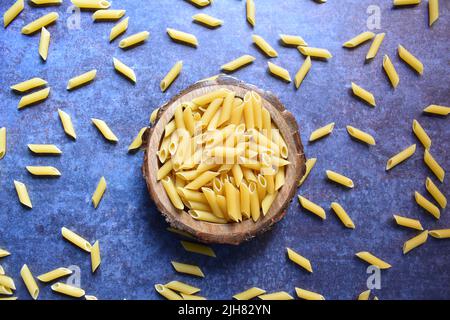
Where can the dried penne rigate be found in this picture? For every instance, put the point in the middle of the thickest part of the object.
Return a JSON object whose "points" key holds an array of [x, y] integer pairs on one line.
{"points": [[207, 20], [312, 207], [364, 295], [22, 194], [2, 142], [400, 157], [104, 130], [75, 239], [434, 165], [107, 15], [427, 205], [421, 134], [361, 135], [91, 4], [411, 60], [118, 29], [133, 40], [171, 75], [405, 2], [373, 260], [29, 281], [433, 11], [309, 165], [13, 12], [302, 72], [408, 222], [33, 98], [188, 269], [99, 192], [321, 132], [137, 142], [389, 68], [238, 63], [437, 110], [167, 292], [278, 71], [340, 179], [43, 171], [95, 256], [308, 295], [360, 38], [44, 149], [124, 70], [440, 233], [198, 248], [375, 46], [182, 37], [44, 43], [264, 46], [66, 122], [291, 40], [68, 290], [37, 24], [436, 193], [54, 274], [249, 294], [4, 253], [415, 242], [81, 79], [300, 260], [281, 295], [250, 7], [363, 94], [182, 287], [342, 215], [29, 84]]}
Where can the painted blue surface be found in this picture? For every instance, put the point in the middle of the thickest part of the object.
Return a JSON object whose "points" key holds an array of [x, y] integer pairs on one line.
{"points": [[136, 249]]}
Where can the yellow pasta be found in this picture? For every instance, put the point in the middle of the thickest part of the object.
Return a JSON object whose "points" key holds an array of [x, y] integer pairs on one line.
{"points": [[182, 287], [421, 134], [29, 281], [300, 260], [209, 97], [279, 71], [91, 4], [408, 222], [206, 216], [4, 253], [95, 256], [171, 76], [411, 60], [309, 165], [308, 295], [264, 46], [359, 39], [46, 2], [188, 269], [375, 46], [137, 142], [90, 297], [363, 94], [75, 239], [201, 3], [339, 178], [68, 290], [238, 63], [54, 274], [433, 165], [107, 15], [167, 293], [12, 12], [191, 297], [207, 20], [22, 194], [29, 84], [233, 202], [400, 157], [33, 98], [7, 282], [281, 295], [37, 24], [44, 149], [373, 260], [2, 142], [154, 116], [440, 233], [104, 130], [364, 295], [415, 242], [118, 29], [201, 180], [342, 215], [361, 135], [406, 2], [250, 7], [436, 193], [44, 43], [81, 79], [390, 71], [427, 205], [315, 52], [302, 72], [267, 201], [66, 122], [291, 40], [124, 70], [321, 132], [134, 39], [433, 11], [198, 248], [438, 110], [43, 171], [312, 207], [182, 37], [172, 193]]}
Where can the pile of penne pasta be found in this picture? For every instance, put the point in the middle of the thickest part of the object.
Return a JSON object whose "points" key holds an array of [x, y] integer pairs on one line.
{"points": [[222, 157]]}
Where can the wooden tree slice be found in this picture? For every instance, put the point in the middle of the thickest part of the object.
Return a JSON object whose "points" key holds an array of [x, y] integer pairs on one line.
{"points": [[230, 233]]}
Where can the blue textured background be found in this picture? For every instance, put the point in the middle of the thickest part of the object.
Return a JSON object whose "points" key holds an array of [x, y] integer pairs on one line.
{"points": [[136, 249]]}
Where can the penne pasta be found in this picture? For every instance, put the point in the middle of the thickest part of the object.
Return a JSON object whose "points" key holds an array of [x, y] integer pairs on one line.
{"points": [[264, 46], [233, 202], [37, 24], [137, 142], [405, 2], [66, 122], [308, 295], [300, 260], [182, 37], [187, 269], [440, 233], [91, 4], [81, 79], [342, 215], [201, 180], [340, 179], [279, 71], [182, 287], [43, 171], [54, 274], [68, 290], [198, 248], [4, 253], [359, 39], [171, 75], [250, 8], [29, 281], [90, 297], [133, 40], [7, 283], [238, 63], [364, 295], [44, 43], [312, 207], [249, 294], [95, 256], [104, 130], [167, 293], [438, 110], [315, 52], [207, 20], [22, 194], [361, 135], [44, 149], [45, 2], [408, 222], [172, 193], [33, 98], [390, 71], [209, 97], [29, 84], [2, 142], [433, 11], [363, 94], [415, 242], [302, 72], [309, 165], [411, 60], [421, 134], [154, 116], [373, 260], [118, 29], [100, 15], [436, 193], [124, 70], [433, 165], [291, 40], [13, 12], [75, 239], [375, 46], [427, 205], [281, 295], [207, 216], [267, 201], [201, 3], [400, 157], [321, 132], [191, 297]]}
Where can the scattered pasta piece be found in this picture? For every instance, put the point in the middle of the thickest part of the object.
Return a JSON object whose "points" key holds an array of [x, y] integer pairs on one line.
{"points": [[300, 260], [44, 43], [46, 2], [44, 149], [361, 135], [167, 293], [438, 110], [99, 192], [400, 157], [188, 269], [340, 179], [29, 281], [198, 248], [133, 40], [250, 7], [124, 70], [33, 98], [364, 295], [4, 253], [372, 260], [389, 68], [68, 290], [309, 165], [171, 76], [37, 24], [415, 242], [43, 171], [191, 297], [321, 132], [91, 4], [153, 116], [363, 94], [90, 297], [315, 52], [2, 142], [375, 46], [8, 298], [249, 294], [207, 20], [312, 207], [427, 205], [436, 193], [104, 130], [342, 215], [7, 282], [95, 256], [22, 194], [281, 295], [433, 165], [54, 274], [75, 239], [238, 63], [290, 40], [279, 71], [118, 29], [182, 37], [66, 122], [433, 11], [308, 295], [182, 287], [100, 15], [406, 2], [421, 134], [137, 142], [359, 39], [13, 12], [302, 72], [81, 79], [29, 84], [440, 233], [264, 46], [411, 60], [408, 222]]}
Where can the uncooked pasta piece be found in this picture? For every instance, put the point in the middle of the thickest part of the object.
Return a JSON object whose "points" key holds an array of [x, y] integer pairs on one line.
{"points": [[188, 269], [167, 293], [321, 132], [191, 297], [37, 24], [264, 46], [315, 52], [95, 256], [29, 281], [433, 11], [312, 207], [75, 239], [118, 29], [421, 134], [308, 295], [408, 222], [68, 290], [206, 216], [375, 46], [44, 43], [238, 63], [171, 75], [44, 149], [250, 7], [373, 260], [359, 39], [207, 20], [13, 12], [309, 165], [342, 215], [134, 39], [415, 242], [2, 142], [29, 84], [46, 2], [91, 4], [440, 233], [363, 94], [291, 40], [137, 142], [438, 110], [406, 2], [90, 297], [198, 248], [302, 72], [66, 122], [104, 130], [390, 71], [434, 165], [169, 187], [364, 295], [249, 294], [7, 282], [401, 156], [54, 274], [43, 171], [360, 135], [107, 15], [153, 116], [33, 98], [182, 37], [124, 70], [281, 295], [427, 205], [278, 71], [99, 192], [436, 193], [22, 194], [182, 287], [339, 178], [411, 60], [300, 260], [81, 79], [4, 253]]}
